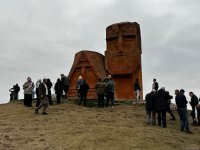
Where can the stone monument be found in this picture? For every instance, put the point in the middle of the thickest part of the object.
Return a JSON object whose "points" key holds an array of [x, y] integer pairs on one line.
{"points": [[122, 60]]}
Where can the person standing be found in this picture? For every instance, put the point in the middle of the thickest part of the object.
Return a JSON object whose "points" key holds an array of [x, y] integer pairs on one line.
{"points": [[78, 85], [84, 87], [43, 93], [169, 97], [137, 90], [58, 90], [110, 88], [37, 92], [100, 90], [161, 107], [150, 107], [28, 87], [12, 91], [155, 85], [16, 91], [181, 103], [65, 83], [194, 102], [49, 85]]}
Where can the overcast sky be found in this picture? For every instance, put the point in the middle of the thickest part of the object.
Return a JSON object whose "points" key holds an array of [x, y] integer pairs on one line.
{"points": [[39, 38]]}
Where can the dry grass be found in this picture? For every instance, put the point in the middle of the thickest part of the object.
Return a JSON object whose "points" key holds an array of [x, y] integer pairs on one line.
{"points": [[69, 126]]}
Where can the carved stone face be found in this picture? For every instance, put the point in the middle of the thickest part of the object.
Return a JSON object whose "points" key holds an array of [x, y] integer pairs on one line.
{"points": [[123, 47]]}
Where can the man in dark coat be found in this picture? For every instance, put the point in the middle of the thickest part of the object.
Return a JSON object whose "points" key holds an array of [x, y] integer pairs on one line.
{"points": [[161, 107], [83, 92], [58, 90], [150, 108], [100, 90], [110, 90], [49, 85], [43, 93], [194, 102], [181, 103], [66, 83], [16, 91]]}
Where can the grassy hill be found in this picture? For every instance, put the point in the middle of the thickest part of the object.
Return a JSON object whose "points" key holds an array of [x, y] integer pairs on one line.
{"points": [[69, 126]]}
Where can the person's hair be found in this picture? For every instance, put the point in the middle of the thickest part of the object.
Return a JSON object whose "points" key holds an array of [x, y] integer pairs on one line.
{"points": [[136, 79], [176, 91], [154, 79], [191, 93]]}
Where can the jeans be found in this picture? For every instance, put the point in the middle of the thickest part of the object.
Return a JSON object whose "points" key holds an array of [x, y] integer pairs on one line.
{"points": [[183, 118]]}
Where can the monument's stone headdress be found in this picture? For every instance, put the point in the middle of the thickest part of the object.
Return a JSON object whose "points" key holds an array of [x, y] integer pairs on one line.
{"points": [[122, 60]]}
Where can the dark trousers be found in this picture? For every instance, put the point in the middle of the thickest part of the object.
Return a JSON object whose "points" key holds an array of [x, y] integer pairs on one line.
{"points": [[66, 89], [100, 100], [110, 97], [170, 112], [11, 96], [83, 97], [28, 100], [15, 95], [50, 98], [162, 118], [58, 98]]}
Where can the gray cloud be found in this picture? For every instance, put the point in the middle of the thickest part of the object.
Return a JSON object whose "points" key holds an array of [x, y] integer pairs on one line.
{"points": [[40, 38]]}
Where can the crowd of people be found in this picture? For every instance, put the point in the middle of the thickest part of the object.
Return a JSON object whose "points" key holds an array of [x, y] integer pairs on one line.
{"points": [[104, 90], [158, 103]]}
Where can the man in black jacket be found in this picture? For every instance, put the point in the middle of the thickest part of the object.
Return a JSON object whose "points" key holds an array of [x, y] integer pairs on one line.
{"points": [[194, 101], [161, 106], [181, 103], [150, 108], [83, 92], [43, 94]]}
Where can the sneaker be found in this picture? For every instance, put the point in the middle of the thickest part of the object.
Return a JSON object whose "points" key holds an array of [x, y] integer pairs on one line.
{"points": [[44, 113], [36, 110]]}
